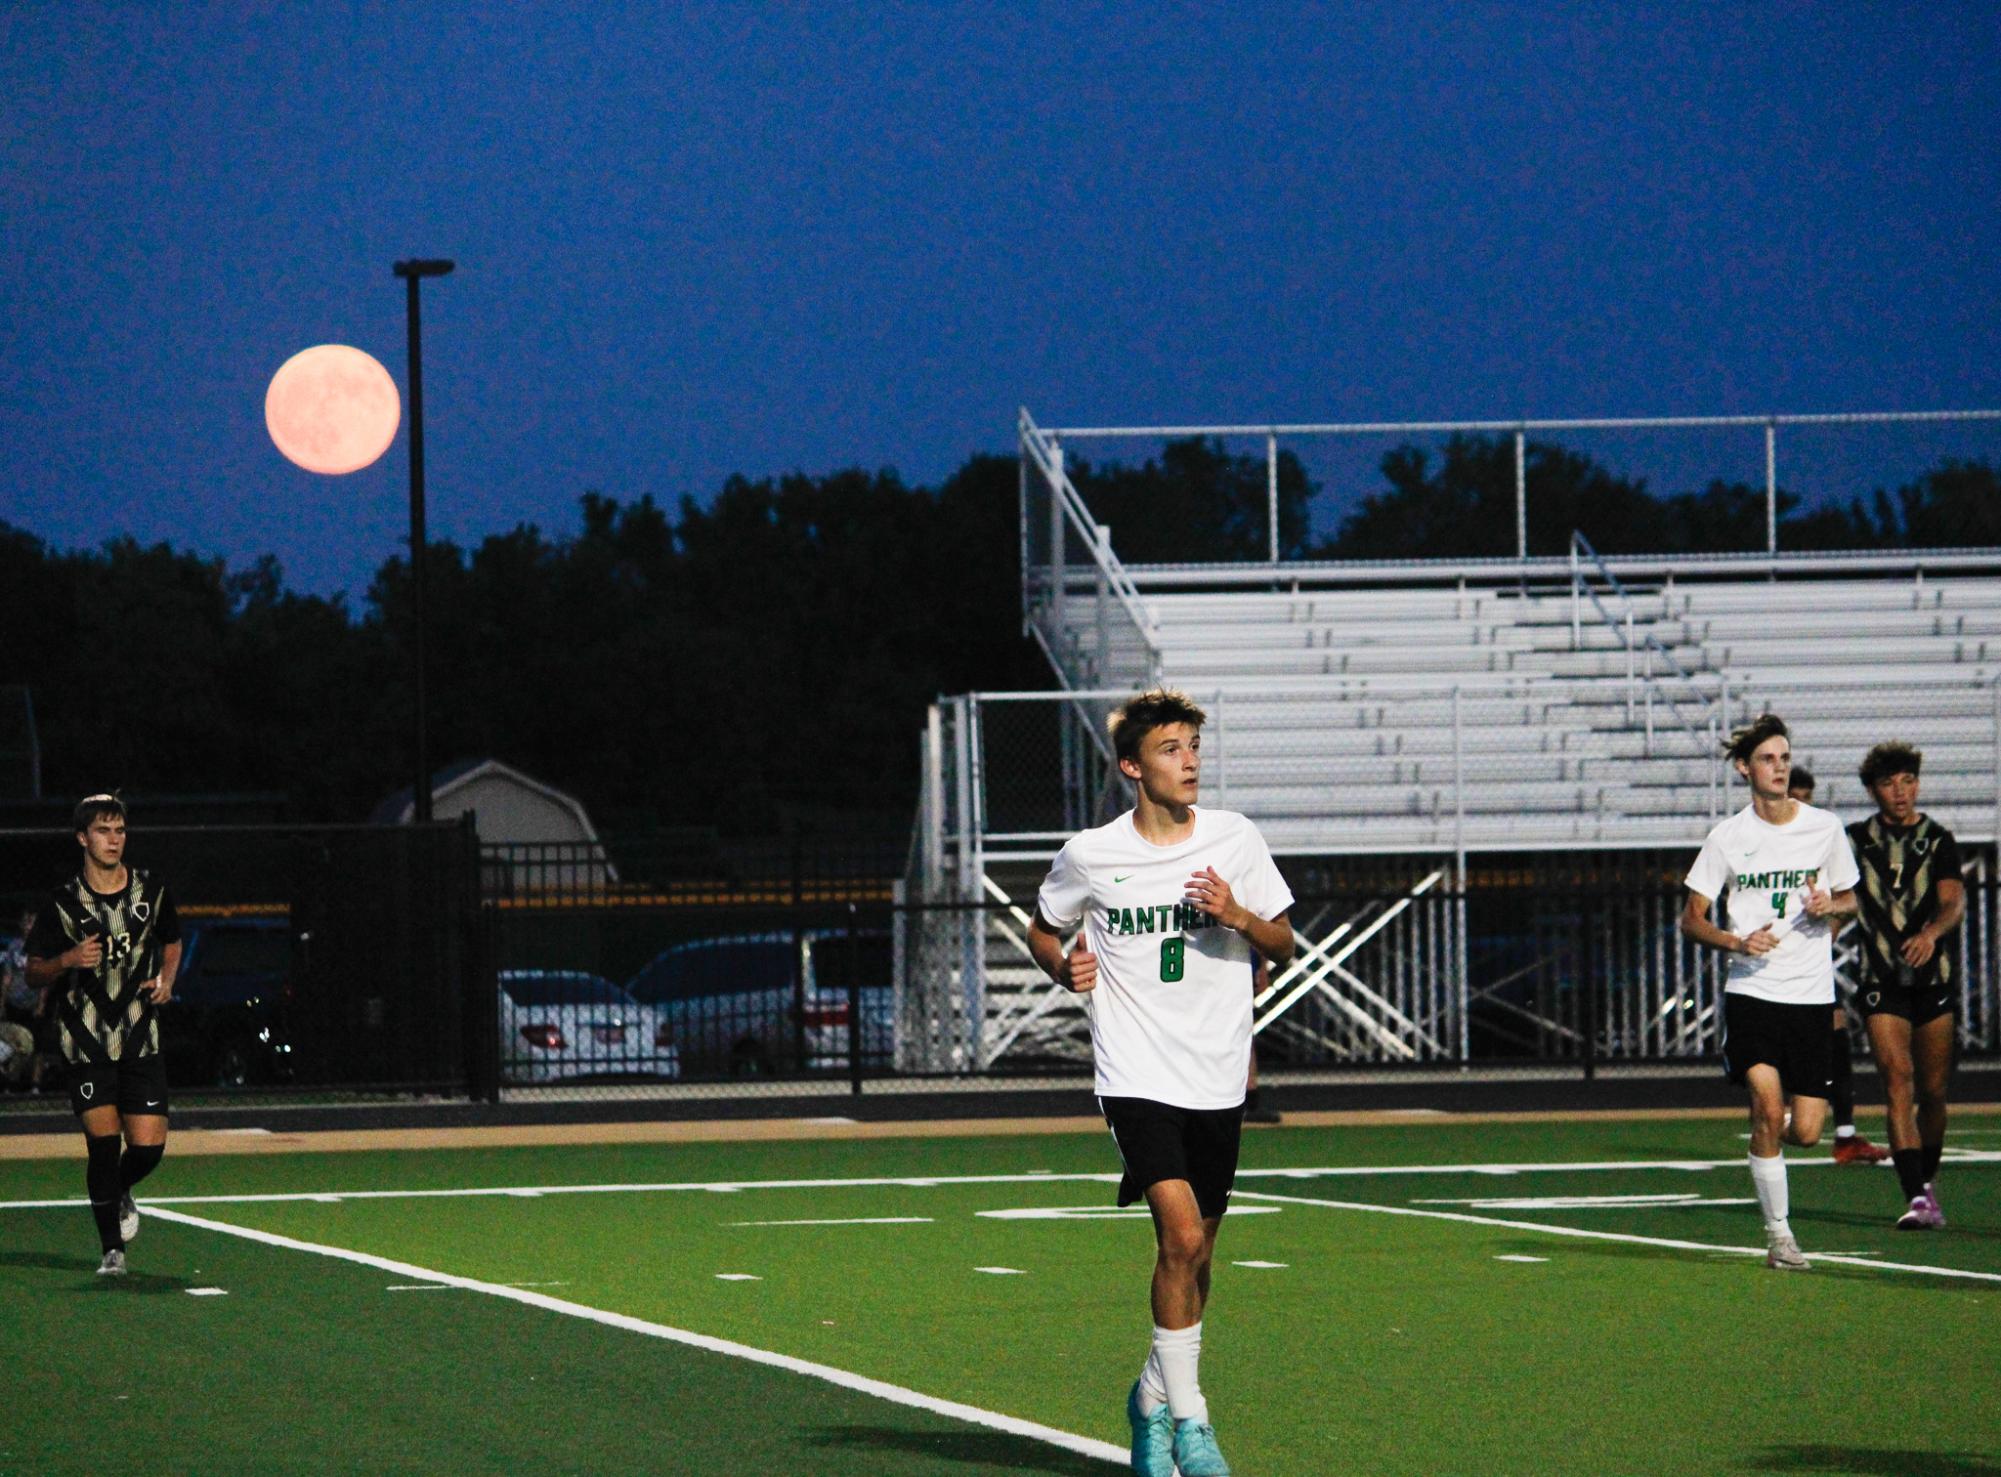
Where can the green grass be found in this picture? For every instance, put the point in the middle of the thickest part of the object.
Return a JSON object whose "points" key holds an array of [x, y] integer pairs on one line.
{"points": [[1385, 1343]]}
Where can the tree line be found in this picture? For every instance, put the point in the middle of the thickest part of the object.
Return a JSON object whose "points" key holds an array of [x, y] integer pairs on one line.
{"points": [[756, 662]]}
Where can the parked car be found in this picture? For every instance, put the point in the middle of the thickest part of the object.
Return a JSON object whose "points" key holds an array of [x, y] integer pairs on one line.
{"points": [[560, 1025], [756, 1003], [226, 1023]]}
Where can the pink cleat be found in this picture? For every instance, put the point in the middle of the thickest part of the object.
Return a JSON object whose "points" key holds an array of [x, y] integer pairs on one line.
{"points": [[1924, 1215]]}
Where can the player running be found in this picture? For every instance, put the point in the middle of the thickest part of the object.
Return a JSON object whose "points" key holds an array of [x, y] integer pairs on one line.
{"points": [[1849, 1146], [110, 943], [1789, 875], [1172, 900], [1911, 897]]}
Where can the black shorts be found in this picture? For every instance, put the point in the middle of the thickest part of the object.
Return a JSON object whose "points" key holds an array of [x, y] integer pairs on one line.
{"points": [[1918, 1005], [1793, 1038], [1159, 1142], [135, 1088]]}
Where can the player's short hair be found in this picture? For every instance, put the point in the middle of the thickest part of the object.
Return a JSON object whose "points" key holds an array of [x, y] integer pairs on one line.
{"points": [[95, 808], [1892, 756], [1801, 779], [1139, 716], [1744, 742]]}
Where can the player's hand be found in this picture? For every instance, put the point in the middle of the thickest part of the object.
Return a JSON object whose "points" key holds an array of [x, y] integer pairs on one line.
{"points": [[1819, 902], [86, 955], [1919, 948], [1211, 894], [1080, 969], [1760, 942], [157, 990]]}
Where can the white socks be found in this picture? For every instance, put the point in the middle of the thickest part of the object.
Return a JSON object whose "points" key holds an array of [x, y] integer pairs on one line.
{"points": [[1170, 1374], [1768, 1178], [1843, 1131]]}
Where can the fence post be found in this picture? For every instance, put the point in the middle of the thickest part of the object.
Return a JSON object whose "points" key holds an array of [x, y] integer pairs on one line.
{"points": [[1576, 634], [1462, 961], [1772, 490], [1588, 981], [1271, 488], [1522, 497], [1058, 558], [854, 1008]]}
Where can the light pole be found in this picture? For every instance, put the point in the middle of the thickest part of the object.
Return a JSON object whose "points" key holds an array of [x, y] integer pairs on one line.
{"points": [[412, 272]]}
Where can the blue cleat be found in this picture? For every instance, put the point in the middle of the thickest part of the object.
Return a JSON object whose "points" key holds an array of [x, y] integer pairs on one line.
{"points": [[1195, 1450], [1153, 1438]]}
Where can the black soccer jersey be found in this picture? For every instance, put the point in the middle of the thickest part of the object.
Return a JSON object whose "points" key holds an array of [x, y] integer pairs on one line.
{"points": [[1898, 895], [102, 1015]]}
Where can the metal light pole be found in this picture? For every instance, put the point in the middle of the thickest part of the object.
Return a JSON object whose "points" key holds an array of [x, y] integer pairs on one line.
{"points": [[412, 272]]}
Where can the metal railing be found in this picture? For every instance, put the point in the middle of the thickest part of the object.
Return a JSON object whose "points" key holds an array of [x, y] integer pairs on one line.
{"points": [[1520, 430], [1642, 686], [1052, 511]]}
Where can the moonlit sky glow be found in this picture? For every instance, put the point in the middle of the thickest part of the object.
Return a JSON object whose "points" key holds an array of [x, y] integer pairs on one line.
{"points": [[704, 239]]}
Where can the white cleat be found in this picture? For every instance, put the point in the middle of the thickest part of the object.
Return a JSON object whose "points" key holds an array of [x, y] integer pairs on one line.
{"points": [[113, 1264], [1782, 1254], [128, 1219]]}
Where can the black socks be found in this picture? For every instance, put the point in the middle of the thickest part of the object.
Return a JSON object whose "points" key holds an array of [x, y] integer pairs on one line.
{"points": [[1910, 1171], [140, 1160], [101, 1177], [1843, 1095]]}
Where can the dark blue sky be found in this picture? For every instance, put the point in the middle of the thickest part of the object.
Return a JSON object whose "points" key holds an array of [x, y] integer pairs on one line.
{"points": [[695, 240]]}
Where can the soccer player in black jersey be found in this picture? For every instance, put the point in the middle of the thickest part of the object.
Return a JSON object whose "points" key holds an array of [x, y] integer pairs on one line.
{"points": [[109, 941], [1911, 896], [1849, 1146]]}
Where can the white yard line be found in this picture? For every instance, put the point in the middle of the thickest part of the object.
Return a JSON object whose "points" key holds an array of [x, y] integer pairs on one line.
{"points": [[895, 1394], [1580, 1232], [868, 1220], [927, 1182]]}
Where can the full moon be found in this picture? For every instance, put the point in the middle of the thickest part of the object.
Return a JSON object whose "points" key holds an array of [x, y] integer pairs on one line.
{"points": [[332, 409]]}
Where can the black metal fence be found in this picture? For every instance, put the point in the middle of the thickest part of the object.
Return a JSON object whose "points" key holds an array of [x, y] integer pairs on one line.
{"points": [[411, 960], [339, 957]]}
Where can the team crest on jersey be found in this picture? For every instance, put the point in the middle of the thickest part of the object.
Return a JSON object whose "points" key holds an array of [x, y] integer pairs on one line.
{"points": [[142, 911], [86, 1089]]}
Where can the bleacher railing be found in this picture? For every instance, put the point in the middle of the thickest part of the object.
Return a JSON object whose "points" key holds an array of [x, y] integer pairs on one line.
{"points": [[1057, 530], [1703, 730], [1272, 434]]}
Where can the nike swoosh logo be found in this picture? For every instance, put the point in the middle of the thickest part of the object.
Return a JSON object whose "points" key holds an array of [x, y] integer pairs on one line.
{"points": [[152, 1102], [1117, 880]]}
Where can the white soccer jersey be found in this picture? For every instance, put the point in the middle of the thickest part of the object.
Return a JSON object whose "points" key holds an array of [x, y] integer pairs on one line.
{"points": [[1766, 870], [1171, 1016]]}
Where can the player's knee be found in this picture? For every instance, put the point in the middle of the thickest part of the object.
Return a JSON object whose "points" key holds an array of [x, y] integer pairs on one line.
{"points": [[140, 1160], [101, 1172], [1806, 1135], [1183, 1247]]}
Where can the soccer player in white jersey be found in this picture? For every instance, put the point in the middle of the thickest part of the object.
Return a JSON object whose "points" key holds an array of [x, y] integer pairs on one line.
{"points": [[1173, 900], [1790, 875]]}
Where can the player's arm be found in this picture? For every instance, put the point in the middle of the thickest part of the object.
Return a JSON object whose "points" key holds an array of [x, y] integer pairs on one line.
{"points": [[1075, 969], [1920, 946], [45, 969], [1695, 924], [160, 989], [1820, 903], [1271, 937]]}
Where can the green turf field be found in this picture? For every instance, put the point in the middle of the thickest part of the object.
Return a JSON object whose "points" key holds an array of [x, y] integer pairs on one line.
{"points": [[1406, 1299]]}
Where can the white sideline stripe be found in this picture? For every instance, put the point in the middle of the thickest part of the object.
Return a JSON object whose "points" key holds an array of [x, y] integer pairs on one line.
{"points": [[1596, 1202], [895, 1394], [867, 1220], [419, 1287], [1579, 1231], [930, 1182], [1512, 1257]]}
